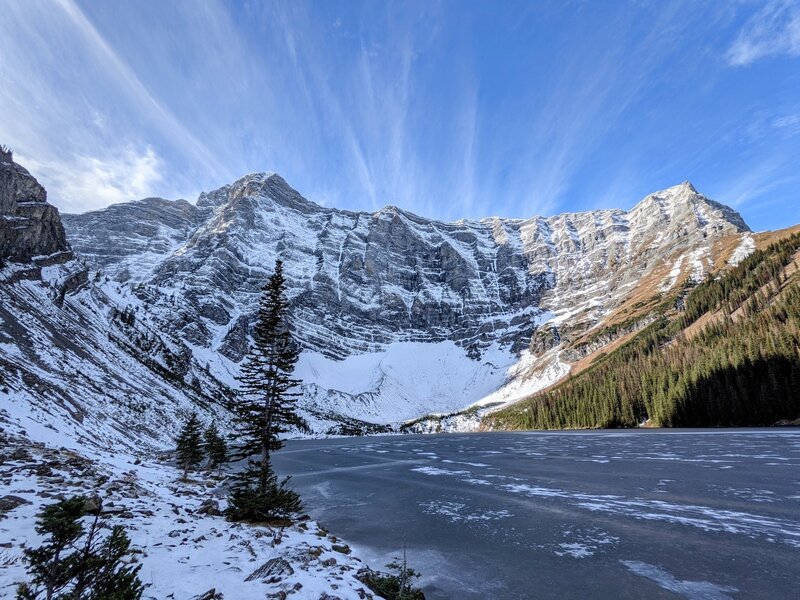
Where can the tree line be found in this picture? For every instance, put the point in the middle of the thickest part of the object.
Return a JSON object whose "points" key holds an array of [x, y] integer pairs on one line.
{"points": [[741, 369]]}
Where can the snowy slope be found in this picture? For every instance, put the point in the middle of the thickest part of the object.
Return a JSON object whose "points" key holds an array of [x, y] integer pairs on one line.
{"points": [[128, 240], [183, 552], [68, 364], [406, 380]]}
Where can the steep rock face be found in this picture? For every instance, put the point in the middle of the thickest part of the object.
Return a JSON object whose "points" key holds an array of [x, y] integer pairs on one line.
{"points": [[125, 240], [71, 358], [378, 300], [599, 256], [357, 281], [360, 281], [29, 226]]}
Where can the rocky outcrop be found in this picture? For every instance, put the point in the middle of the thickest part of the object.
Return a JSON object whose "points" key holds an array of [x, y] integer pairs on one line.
{"points": [[75, 354], [29, 226]]}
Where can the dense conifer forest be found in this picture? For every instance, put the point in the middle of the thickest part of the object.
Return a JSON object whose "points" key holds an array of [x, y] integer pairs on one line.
{"points": [[728, 354]]}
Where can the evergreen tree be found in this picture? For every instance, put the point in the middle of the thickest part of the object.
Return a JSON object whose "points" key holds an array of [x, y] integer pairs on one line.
{"points": [[94, 570], [215, 446], [265, 408], [396, 585], [189, 448], [258, 496]]}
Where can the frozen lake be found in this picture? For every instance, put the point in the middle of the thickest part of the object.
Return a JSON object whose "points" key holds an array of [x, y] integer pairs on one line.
{"points": [[629, 514]]}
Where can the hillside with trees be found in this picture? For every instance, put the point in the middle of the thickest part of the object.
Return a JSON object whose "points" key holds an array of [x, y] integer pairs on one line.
{"points": [[723, 353]]}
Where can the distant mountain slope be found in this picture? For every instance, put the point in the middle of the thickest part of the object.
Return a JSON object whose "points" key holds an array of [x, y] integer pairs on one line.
{"points": [[726, 353], [132, 238], [376, 278], [382, 300], [77, 360], [398, 316]]}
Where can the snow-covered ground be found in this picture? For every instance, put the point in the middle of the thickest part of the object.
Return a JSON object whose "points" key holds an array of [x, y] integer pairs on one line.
{"points": [[412, 379], [183, 552], [527, 376], [521, 377]]}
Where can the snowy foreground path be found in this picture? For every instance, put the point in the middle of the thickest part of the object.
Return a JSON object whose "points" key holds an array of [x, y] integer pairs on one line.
{"points": [[639, 514]]}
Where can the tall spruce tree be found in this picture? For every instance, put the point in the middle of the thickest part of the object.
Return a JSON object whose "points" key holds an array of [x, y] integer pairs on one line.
{"points": [[265, 408], [75, 564], [189, 448]]}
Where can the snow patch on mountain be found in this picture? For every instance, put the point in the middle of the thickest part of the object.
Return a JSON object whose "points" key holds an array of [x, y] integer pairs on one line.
{"points": [[745, 248], [530, 374], [406, 380], [672, 278]]}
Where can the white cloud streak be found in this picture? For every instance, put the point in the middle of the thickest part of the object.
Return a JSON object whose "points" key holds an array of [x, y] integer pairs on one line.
{"points": [[79, 115], [772, 31], [756, 183], [586, 100], [92, 182], [147, 103], [363, 105]]}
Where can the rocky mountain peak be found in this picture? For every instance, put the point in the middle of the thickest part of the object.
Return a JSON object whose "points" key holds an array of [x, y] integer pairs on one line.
{"points": [[683, 206], [253, 183], [684, 187], [251, 191], [214, 198]]}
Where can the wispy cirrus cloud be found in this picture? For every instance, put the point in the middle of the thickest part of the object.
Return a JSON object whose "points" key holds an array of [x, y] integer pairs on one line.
{"points": [[77, 114], [444, 109], [365, 104], [587, 102], [772, 31], [760, 182]]}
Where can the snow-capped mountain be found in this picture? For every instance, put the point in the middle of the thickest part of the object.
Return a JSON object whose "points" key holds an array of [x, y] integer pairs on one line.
{"points": [[147, 314], [398, 315]]}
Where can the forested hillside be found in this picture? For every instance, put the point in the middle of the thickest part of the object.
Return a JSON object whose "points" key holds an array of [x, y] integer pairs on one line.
{"points": [[727, 353]]}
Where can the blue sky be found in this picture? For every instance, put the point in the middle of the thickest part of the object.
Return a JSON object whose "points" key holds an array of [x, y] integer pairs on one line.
{"points": [[448, 109]]}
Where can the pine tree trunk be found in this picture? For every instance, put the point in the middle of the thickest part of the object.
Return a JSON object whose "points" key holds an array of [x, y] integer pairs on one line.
{"points": [[49, 587], [80, 585], [265, 440]]}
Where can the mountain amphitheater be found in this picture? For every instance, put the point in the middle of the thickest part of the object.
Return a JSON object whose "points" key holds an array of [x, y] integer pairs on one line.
{"points": [[398, 316]]}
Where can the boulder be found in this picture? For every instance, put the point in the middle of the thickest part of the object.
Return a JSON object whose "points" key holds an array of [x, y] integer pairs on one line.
{"points": [[209, 507], [272, 571], [9, 503]]}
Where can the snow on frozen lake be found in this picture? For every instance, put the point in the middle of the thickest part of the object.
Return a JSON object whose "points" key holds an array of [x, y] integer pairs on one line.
{"points": [[655, 514]]}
